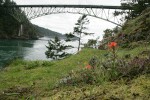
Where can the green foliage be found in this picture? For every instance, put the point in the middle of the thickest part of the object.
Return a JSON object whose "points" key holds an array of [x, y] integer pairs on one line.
{"points": [[91, 43], [137, 5], [109, 36], [69, 36], [56, 49], [108, 33]]}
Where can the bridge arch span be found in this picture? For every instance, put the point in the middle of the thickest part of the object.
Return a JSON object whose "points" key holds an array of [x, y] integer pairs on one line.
{"points": [[44, 14], [97, 11]]}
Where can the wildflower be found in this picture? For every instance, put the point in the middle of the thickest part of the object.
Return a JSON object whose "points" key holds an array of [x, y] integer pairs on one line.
{"points": [[88, 67], [112, 44]]}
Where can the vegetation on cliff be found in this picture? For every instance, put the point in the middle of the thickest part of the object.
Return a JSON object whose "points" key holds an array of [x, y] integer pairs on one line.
{"points": [[10, 24]]}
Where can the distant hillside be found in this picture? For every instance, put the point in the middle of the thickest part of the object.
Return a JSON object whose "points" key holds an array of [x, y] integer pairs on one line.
{"points": [[48, 33]]}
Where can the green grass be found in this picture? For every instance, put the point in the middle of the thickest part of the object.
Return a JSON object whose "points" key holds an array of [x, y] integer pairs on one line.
{"points": [[133, 52], [42, 76]]}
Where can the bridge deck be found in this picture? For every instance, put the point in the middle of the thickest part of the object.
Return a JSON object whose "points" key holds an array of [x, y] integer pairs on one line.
{"points": [[73, 6]]}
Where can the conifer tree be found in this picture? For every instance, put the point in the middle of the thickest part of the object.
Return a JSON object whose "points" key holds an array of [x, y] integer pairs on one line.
{"points": [[80, 28], [56, 49]]}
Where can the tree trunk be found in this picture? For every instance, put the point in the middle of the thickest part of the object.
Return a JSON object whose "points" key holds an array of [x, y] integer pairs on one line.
{"points": [[79, 44]]}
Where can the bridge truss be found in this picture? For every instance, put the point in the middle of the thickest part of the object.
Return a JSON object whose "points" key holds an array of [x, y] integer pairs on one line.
{"points": [[98, 11]]}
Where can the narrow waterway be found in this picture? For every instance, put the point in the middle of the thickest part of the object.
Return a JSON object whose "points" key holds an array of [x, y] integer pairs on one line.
{"points": [[25, 49]]}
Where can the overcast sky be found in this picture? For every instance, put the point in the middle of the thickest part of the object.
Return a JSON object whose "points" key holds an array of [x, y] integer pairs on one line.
{"points": [[64, 23]]}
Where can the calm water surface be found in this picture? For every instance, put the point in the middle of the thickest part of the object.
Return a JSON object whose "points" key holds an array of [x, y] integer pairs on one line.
{"points": [[25, 49]]}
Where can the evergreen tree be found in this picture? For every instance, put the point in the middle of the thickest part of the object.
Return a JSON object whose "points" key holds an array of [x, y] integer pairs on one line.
{"points": [[137, 5], [108, 33], [56, 49], [108, 36], [69, 36], [80, 28], [91, 43]]}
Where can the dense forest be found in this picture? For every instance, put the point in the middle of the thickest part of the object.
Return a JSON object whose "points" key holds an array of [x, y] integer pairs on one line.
{"points": [[10, 24]]}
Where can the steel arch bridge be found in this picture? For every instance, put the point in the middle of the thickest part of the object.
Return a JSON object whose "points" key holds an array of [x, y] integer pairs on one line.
{"points": [[99, 11]]}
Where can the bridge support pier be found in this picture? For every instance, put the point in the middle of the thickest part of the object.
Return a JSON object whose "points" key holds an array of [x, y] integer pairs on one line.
{"points": [[20, 30]]}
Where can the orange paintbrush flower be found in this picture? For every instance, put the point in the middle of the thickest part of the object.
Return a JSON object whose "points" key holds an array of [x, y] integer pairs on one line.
{"points": [[112, 44], [88, 67]]}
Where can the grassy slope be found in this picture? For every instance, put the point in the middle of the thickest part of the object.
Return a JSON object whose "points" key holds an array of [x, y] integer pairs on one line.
{"points": [[138, 24], [43, 75], [37, 78]]}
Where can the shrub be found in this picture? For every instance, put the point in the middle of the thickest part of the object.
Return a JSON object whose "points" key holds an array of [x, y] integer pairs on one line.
{"points": [[127, 68], [110, 69], [77, 77], [138, 66]]}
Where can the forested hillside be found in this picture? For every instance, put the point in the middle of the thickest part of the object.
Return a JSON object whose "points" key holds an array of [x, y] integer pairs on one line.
{"points": [[46, 32], [10, 24]]}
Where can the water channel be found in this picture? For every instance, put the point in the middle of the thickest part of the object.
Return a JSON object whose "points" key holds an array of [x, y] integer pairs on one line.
{"points": [[24, 49]]}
